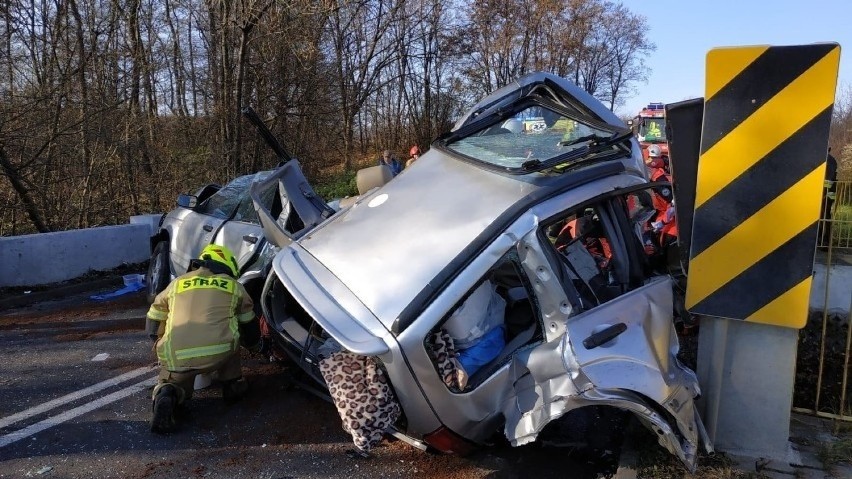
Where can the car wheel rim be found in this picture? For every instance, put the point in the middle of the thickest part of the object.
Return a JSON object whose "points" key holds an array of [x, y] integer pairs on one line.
{"points": [[154, 273]]}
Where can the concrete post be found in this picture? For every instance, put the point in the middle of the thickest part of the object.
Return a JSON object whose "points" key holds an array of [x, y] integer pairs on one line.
{"points": [[746, 372]]}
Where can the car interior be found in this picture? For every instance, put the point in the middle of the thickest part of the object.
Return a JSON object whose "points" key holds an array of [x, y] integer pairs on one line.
{"points": [[519, 323], [600, 257]]}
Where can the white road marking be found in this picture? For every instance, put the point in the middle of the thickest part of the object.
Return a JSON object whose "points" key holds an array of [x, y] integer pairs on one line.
{"points": [[77, 411], [44, 407], [101, 357]]}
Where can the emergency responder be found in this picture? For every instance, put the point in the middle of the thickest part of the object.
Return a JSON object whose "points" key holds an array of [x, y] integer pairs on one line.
{"points": [[664, 223], [414, 154], [202, 317], [656, 164]]}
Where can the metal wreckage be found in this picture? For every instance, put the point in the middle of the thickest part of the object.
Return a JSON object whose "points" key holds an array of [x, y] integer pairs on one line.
{"points": [[509, 277]]}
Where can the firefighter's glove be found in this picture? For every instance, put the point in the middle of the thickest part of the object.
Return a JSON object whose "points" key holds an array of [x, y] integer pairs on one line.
{"points": [[154, 329]]}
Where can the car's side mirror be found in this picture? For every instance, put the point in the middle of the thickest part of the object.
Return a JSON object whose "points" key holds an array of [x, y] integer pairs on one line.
{"points": [[187, 201]]}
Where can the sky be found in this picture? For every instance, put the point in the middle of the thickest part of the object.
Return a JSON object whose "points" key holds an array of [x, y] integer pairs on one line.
{"points": [[685, 30]]}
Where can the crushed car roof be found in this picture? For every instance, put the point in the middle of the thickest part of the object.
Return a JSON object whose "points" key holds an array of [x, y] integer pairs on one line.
{"points": [[392, 247]]}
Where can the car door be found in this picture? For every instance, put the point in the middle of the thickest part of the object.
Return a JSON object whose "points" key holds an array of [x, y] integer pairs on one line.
{"points": [[287, 205], [618, 346], [194, 232], [202, 226], [243, 234], [602, 334]]}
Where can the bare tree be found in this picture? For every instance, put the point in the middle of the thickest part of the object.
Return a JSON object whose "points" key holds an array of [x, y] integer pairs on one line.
{"points": [[361, 51], [110, 107]]}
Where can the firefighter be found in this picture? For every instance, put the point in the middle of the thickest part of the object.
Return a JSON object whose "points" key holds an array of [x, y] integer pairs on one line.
{"points": [[414, 154], [656, 164], [202, 317], [664, 224]]}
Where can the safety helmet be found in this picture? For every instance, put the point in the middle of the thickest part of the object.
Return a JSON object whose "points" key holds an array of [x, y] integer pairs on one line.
{"points": [[221, 255], [415, 150], [655, 157], [654, 151]]}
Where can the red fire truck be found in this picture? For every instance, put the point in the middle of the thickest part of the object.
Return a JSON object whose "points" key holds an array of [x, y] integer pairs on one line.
{"points": [[650, 128]]}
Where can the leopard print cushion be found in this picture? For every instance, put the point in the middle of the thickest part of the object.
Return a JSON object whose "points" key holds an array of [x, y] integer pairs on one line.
{"points": [[364, 400], [442, 351]]}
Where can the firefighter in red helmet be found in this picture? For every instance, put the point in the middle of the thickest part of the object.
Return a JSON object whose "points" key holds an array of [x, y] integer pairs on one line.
{"points": [[413, 155]]}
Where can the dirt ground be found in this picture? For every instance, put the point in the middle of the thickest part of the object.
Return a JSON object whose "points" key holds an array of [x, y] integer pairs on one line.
{"points": [[833, 354]]}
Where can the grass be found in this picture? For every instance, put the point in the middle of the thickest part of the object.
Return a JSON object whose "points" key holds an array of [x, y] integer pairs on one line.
{"points": [[654, 462], [662, 465], [842, 226], [339, 185], [836, 452]]}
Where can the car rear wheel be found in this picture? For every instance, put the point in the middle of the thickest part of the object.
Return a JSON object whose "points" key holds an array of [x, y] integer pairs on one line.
{"points": [[158, 276]]}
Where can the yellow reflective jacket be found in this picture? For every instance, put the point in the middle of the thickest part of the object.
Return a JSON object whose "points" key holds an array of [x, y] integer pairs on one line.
{"points": [[202, 312]]}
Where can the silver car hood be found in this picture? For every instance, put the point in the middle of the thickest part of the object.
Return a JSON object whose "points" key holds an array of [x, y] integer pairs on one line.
{"points": [[387, 247]]}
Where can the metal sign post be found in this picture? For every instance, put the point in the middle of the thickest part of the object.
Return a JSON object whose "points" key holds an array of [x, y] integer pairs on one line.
{"points": [[764, 141]]}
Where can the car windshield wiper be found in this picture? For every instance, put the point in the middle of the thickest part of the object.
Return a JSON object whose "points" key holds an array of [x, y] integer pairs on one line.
{"points": [[593, 147], [594, 139]]}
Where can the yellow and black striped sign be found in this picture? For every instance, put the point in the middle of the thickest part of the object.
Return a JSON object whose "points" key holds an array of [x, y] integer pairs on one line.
{"points": [[764, 141]]}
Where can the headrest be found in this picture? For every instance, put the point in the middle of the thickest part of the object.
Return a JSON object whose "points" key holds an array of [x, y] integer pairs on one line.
{"points": [[368, 178]]}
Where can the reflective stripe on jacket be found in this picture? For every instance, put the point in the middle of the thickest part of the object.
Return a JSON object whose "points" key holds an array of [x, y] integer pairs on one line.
{"points": [[202, 312]]}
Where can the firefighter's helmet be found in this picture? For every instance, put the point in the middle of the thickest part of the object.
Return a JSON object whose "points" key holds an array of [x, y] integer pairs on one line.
{"points": [[221, 255], [654, 151], [655, 157]]}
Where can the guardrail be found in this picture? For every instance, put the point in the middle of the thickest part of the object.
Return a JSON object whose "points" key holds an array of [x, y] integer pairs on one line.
{"points": [[38, 259]]}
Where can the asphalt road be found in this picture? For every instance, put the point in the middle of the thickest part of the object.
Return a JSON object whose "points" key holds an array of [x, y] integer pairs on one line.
{"points": [[75, 385]]}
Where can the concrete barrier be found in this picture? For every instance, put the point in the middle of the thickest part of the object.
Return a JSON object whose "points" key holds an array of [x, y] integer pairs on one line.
{"points": [[45, 258]]}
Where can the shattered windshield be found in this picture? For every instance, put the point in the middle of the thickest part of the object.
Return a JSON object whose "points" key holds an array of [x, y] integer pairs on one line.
{"points": [[535, 133]]}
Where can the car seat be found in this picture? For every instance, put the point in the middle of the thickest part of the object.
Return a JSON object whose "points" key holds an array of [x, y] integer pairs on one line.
{"points": [[366, 180]]}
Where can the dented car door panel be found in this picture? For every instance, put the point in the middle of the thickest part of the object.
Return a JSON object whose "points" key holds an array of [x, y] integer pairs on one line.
{"points": [[638, 363], [544, 380]]}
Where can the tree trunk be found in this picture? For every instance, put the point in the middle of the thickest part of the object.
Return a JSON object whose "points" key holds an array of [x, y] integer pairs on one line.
{"points": [[23, 193]]}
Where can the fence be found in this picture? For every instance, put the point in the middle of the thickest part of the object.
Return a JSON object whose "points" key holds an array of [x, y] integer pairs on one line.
{"points": [[823, 386], [835, 228]]}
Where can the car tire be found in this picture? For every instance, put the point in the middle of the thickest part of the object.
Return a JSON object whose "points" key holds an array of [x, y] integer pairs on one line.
{"points": [[158, 276]]}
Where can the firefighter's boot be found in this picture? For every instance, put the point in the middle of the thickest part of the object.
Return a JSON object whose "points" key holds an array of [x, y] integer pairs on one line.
{"points": [[234, 390], [165, 403]]}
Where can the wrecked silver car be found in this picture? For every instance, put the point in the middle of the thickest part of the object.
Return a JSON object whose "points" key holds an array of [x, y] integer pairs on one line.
{"points": [[498, 284]]}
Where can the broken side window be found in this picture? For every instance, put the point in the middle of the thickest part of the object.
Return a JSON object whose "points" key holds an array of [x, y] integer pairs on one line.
{"points": [[493, 320], [588, 253], [652, 218]]}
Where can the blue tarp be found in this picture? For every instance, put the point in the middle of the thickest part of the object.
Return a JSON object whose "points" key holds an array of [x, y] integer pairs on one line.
{"points": [[130, 288]]}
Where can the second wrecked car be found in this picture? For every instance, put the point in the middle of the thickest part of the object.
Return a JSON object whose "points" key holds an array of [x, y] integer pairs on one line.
{"points": [[498, 284]]}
